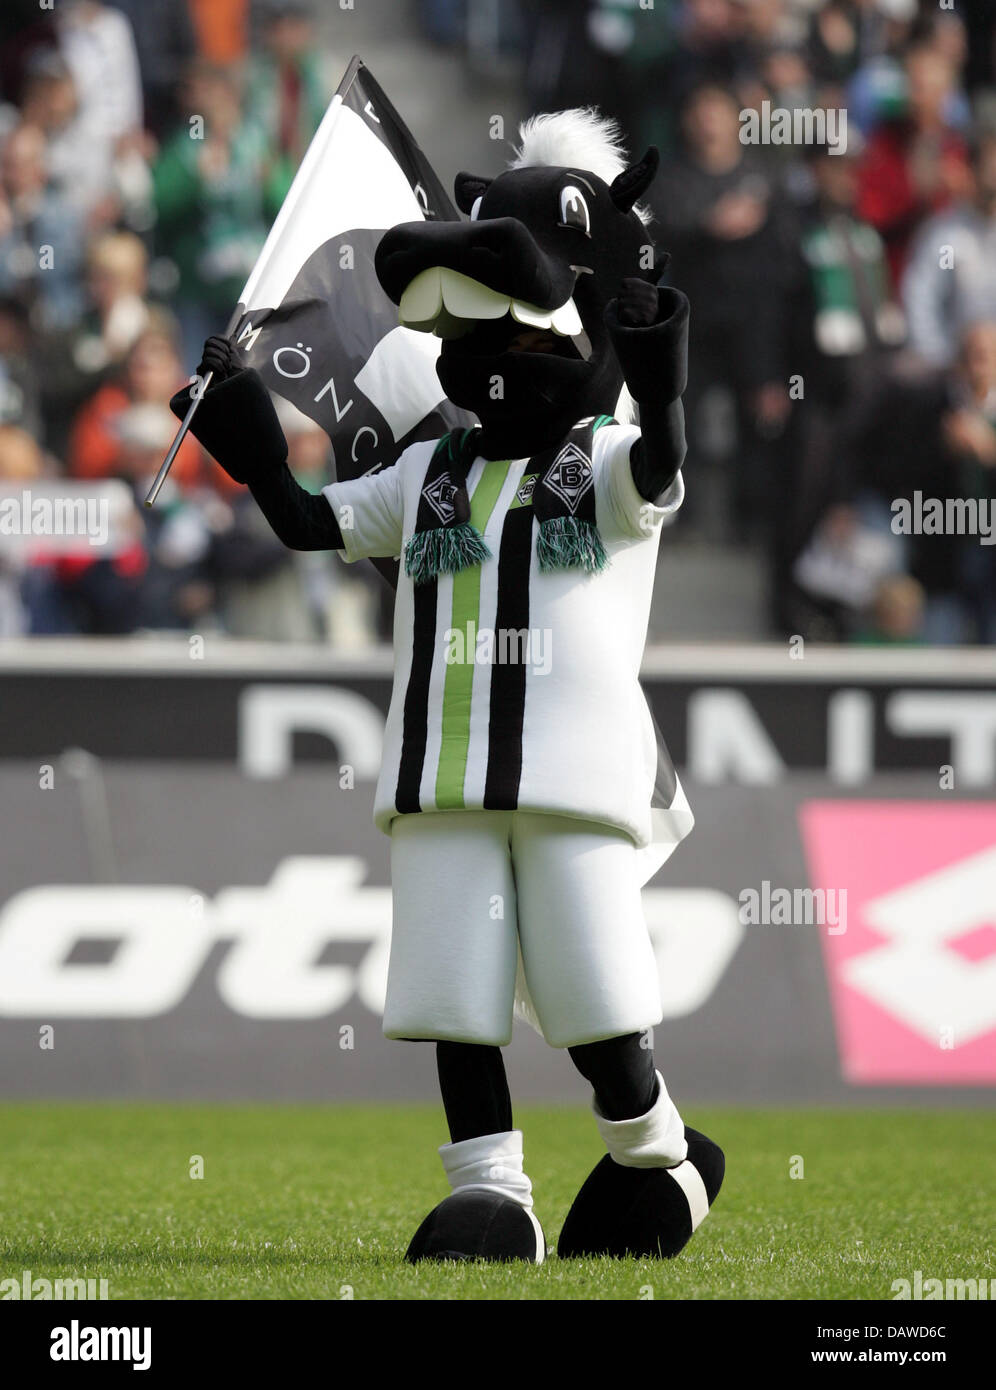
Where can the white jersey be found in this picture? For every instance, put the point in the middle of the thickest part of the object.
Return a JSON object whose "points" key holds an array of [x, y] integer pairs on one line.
{"points": [[515, 688]]}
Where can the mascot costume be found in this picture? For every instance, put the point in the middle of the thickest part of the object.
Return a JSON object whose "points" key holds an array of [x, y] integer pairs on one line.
{"points": [[526, 806]]}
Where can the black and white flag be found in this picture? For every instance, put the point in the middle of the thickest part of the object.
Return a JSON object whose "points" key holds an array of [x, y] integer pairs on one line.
{"points": [[313, 319]]}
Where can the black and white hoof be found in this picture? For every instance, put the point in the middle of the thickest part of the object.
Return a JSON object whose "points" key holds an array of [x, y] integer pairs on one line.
{"points": [[478, 1226], [648, 1212]]}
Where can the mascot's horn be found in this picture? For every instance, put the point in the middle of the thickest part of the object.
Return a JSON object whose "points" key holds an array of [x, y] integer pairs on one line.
{"points": [[633, 182], [467, 188]]}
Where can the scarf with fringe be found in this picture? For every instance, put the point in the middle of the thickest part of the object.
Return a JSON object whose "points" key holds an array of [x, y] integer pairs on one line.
{"points": [[563, 502]]}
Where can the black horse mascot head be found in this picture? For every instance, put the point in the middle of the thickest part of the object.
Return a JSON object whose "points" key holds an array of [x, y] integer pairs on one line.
{"points": [[519, 293]]}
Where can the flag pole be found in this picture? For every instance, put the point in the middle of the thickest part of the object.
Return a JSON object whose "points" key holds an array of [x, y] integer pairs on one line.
{"points": [[195, 400], [283, 216]]}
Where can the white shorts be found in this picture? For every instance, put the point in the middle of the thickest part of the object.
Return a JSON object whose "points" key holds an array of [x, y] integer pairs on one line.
{"points": [[473, 888]]}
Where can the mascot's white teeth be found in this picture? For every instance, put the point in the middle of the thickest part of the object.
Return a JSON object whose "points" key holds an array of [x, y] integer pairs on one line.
{"points": [[468, 299], [448, 304]]}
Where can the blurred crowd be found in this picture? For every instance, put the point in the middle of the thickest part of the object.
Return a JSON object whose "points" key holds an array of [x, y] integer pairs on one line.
{"points": [[145, 147], [843, 344], [843, 328]]}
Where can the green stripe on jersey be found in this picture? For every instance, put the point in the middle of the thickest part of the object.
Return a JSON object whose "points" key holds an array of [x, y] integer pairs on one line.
{"points": [[458, 683]]}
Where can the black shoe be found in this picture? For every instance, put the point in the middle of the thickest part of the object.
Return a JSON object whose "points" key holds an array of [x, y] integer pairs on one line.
{"points": [[478, 1225], [643, 1211]]}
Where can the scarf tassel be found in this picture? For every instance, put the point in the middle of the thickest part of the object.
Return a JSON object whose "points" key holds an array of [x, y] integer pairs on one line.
{"points": [[568, 542], [443, 550]]}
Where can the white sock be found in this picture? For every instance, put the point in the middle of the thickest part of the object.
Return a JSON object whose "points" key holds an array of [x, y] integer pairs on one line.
{"points": [[490, 1163], [654, 1140]]}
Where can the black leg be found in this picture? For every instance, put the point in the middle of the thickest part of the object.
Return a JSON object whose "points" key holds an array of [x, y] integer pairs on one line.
{"points": [[474, 1090], [622, 1074]]}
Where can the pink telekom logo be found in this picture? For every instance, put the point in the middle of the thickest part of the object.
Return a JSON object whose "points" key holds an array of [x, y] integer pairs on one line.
{"points": [[913, 979]]}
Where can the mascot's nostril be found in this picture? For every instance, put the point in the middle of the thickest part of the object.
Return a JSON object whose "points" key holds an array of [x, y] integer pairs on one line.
{"points": [[488, 255]]}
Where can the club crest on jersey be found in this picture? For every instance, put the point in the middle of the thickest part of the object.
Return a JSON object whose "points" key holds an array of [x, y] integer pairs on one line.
{"points": [[524, 492], [570, 475], [440, 494]]}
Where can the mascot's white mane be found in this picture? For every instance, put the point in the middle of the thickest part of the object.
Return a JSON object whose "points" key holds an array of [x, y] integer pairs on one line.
{"points": [[579, 139]]}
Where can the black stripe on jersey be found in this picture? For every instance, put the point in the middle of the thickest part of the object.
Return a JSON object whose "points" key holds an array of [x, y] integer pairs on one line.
{"points": [[416, 719], [508, 679]]}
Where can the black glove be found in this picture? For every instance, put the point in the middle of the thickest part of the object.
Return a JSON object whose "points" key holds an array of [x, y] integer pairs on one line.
{"points": [[654, 355], [218, 357], [654, 359], [236, 422], [637, 304]]}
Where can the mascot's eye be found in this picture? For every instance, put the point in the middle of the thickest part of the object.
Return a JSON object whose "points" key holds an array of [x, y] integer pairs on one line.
{"points": [[574, 210], [476, 208]]}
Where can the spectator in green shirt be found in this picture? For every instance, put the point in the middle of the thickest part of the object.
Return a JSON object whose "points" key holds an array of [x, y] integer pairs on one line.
{"points": [[286, 91], [211, 203]]}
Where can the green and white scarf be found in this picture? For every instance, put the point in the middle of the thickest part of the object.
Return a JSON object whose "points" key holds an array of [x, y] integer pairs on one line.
{"points": [[563, 500]]}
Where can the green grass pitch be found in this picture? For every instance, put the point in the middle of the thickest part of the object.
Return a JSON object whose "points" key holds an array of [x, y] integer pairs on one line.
{"points": [[320, 1202]]}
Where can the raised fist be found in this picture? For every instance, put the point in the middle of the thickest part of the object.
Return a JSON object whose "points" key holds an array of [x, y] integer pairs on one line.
{"points": [[637, 304]]}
